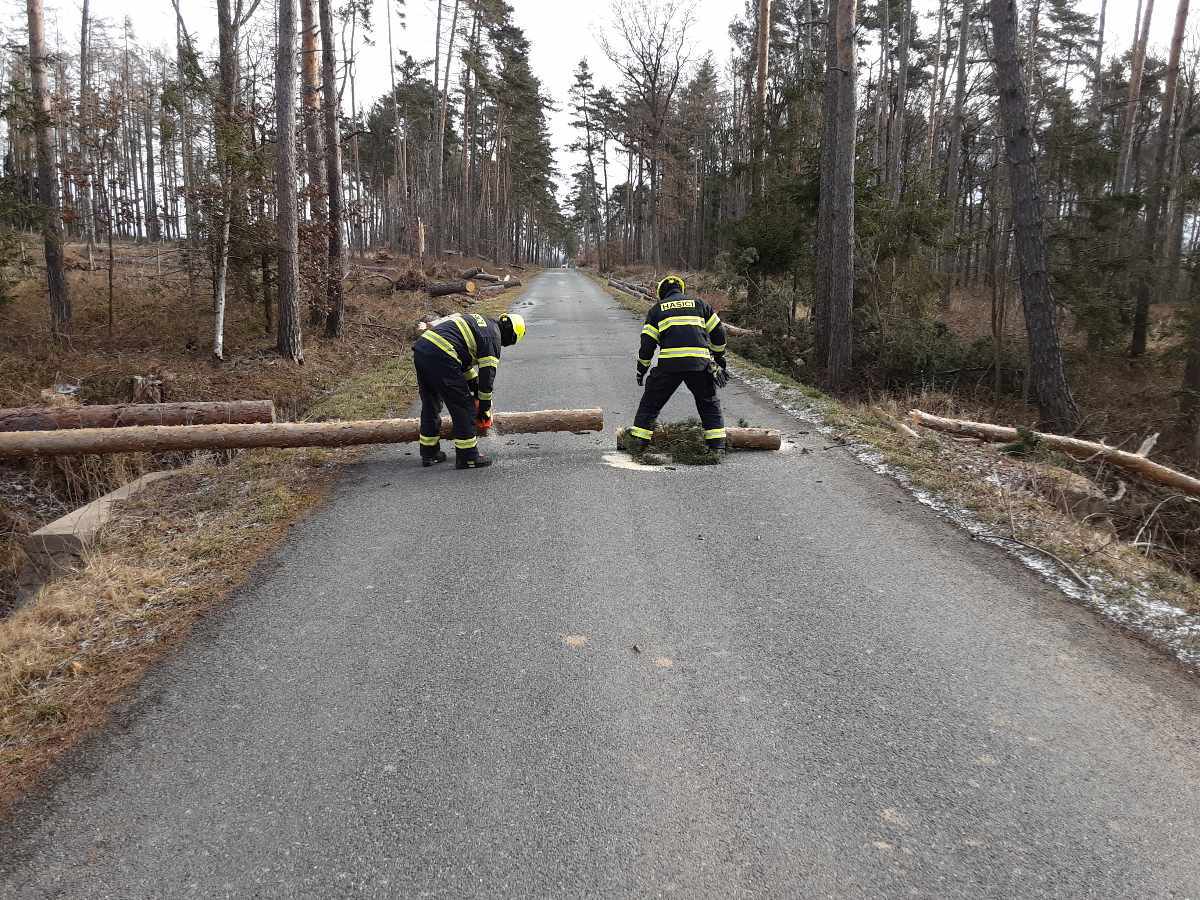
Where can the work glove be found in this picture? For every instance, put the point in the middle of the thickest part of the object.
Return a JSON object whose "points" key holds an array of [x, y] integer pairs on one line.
{"points": [[641, 376], [720, 374], [483, 416]]}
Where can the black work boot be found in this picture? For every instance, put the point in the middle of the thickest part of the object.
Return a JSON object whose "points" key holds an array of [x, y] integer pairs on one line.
{"points": [[470, 459], [431, 456]]}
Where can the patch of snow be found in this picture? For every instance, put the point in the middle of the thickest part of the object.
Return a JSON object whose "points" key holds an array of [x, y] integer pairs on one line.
{"points": [[1133, 607]]}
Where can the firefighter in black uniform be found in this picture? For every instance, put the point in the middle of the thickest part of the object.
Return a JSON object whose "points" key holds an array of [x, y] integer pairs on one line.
{"points": [[456, 358], [690, 340]]}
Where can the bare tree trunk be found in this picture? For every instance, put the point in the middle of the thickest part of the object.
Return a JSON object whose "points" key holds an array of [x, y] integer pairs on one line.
{"points": [[954, 151], [52, 225], [823, 283], [1129, 120], [841, 270], [85, 112], [896, 141], [762, 52], [1098, 73], [289, 341], [1055, 403], [439, 242], [335, 322], [314, 156], [226, 140], [1155, 196], [931, 136], [152, 224]]}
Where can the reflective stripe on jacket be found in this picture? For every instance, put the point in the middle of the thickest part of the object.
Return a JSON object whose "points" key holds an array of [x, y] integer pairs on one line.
{"points": [[685, 331], [473, 341]]}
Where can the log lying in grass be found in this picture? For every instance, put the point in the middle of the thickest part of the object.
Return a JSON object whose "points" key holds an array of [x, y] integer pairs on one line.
{"points": [[743, 438], [160, 438], [125, 415], [492, 279], [1130, 462], [443, 288]]}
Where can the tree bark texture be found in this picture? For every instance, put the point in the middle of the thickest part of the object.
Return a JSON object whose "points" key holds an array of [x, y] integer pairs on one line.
{"points": [[162, 438], [954, 152], [1155, 196], [1055, 403], [288, 338], [820, 311], [441, 289], [1087, 450], [47, 180], [841, 271], [896, 141], [1129, 118], [335, 322], [314, 145], [125, 415], [762, 54]]}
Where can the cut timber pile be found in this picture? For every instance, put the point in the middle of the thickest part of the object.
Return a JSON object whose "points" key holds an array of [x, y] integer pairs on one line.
{"points": [[124, 415], [441, 289], [1086, 450], [160, 438]]}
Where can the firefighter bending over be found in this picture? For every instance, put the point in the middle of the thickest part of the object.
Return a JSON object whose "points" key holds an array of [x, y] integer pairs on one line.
{"points": [[690, 340], [456, 358]]}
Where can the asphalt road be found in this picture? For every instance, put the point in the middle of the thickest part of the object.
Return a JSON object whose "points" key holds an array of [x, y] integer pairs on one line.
{"points": [[432, 690]]}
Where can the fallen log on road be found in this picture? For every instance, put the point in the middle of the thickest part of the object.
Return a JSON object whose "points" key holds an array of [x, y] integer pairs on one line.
{"points": [[161, 438], [126, 415], [1086, 450], [741, 438]]}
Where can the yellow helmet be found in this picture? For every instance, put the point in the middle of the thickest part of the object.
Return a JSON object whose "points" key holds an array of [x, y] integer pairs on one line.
{"points": [[517, 321], [669, 282]]}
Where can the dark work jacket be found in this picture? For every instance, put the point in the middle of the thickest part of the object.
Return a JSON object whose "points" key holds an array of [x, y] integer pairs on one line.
{"points": [[472, 340], [686, 333]]}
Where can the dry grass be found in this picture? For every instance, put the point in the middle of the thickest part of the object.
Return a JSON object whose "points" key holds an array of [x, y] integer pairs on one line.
{"points": [[169, 556], [179, 549]]}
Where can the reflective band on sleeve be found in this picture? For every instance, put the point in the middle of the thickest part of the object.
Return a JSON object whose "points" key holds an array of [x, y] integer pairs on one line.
{"points": [[713, 433], [680, 320], [468, 444], [718, 348], [472, 373], [650, 331], [713, 321], [485, 395], [468, 335], [684, 352], [489, 361], [644, 362], [438, 341], [427, 441], [643, 433]]}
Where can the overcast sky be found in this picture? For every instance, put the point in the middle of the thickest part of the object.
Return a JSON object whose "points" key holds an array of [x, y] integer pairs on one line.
{"points": [[561, 32]]}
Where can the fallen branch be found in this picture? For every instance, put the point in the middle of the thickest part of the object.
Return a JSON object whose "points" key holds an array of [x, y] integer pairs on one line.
{"points": [[158, 439], [1075, 447]]}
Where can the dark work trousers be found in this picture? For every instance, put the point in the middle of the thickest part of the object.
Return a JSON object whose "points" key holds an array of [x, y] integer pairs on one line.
{"points": [[441, 380], [660, 386]]}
